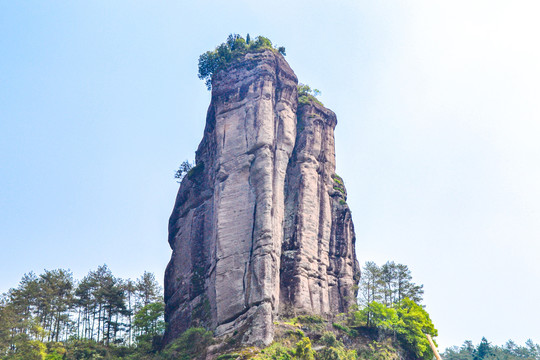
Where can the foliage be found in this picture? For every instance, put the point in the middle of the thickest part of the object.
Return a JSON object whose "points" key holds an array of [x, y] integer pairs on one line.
{"points": [[183, 170], [275, 351], [337, 179], [377, 315], [334, 349], [52, 316], [485, 350], [329, 339], [95, 318], [148, 289], [30, 350], [347, 330], [190, 345], [306, 94], [196, 170], [235, 47], [55, 351], [388, 284], [304, 350], [414, 323], [378, 351], [309, 322], [336, 353], [148, 322], [406, 320]]}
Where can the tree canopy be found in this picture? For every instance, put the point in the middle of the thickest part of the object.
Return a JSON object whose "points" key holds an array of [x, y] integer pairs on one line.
{"points": [[388, 284], [233, 48], [485, 350], [52, 316], [390, 302]]}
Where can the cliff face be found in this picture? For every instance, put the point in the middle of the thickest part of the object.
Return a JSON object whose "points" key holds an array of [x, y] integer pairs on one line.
{"points": [[260, 227]]}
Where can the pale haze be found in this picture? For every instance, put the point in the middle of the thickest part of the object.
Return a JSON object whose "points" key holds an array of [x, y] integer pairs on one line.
{"points": [[437, 137]]}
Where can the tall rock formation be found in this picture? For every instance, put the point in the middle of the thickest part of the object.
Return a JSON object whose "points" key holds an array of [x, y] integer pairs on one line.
{"points": [[260, 227]]}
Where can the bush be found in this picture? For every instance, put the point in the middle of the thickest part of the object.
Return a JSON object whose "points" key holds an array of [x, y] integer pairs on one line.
{"points": [[190, 345], [195, 171], [329, 339], [303, 350], [336, 353], [276, 351], [310, 319], [345, 329], [307, 95]]}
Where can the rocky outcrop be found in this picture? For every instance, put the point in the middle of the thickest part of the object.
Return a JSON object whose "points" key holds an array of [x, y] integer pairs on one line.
{"points": [[260, 227], [319, 268]]}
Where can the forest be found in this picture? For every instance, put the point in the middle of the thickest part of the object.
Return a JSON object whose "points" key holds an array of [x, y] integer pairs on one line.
{"points": [[52, 316]]}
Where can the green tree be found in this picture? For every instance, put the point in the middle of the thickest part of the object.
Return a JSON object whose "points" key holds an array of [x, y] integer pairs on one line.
{"points": [[389, 284], [388, 279], [182, 171], [149, 322], [55, 301], [405, 288], [148, 289], [370, 284], [111, 298], [30, 350], [380, 316], [130, 291], [86, 302], [413, 326], [483, 351]]}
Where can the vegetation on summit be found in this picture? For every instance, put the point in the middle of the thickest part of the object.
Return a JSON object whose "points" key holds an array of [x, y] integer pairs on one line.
{"points": [[305, 94], [235, 47]]}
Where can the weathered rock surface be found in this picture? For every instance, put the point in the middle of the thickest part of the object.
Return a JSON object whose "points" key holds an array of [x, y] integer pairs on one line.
{"points": [[260, 227], [319, 268]]}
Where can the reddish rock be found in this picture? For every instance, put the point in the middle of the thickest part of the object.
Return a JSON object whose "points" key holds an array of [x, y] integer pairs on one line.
{"points": [[260, 227]]}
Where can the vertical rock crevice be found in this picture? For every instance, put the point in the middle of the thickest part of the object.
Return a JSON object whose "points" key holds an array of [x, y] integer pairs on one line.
{"points": [[259, 230]]}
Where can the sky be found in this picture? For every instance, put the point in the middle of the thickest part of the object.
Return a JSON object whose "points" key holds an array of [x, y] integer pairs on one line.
{"points": [[437, 137]]}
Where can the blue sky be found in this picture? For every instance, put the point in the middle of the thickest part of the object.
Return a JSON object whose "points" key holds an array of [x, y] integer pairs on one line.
{"points": [[437, 139]]}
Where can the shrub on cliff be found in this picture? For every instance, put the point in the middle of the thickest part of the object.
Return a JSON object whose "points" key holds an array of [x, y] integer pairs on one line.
{"points": [[192, 344], [183, 170], [307, 94], [235, 46]]}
